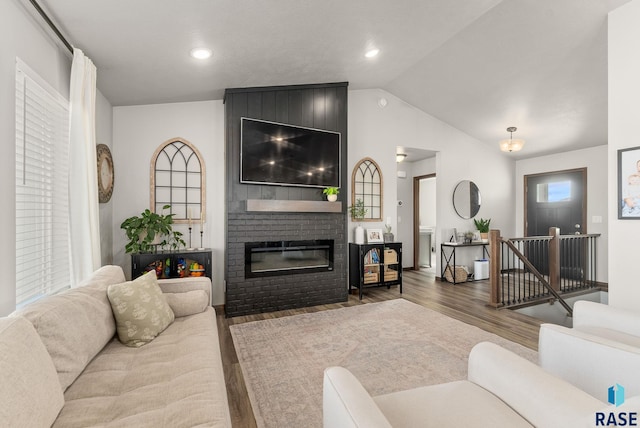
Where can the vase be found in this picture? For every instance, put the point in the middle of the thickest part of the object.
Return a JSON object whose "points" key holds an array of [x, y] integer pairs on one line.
{"points": [[359, 235], [332, 198], [388, 237]]}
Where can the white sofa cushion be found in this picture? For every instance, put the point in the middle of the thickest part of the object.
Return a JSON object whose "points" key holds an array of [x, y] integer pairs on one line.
{"points": [[172, 382], [593, 314], [74, 326], [460, 403], [30, 393], [182, 285], [623, 339], [188, 303]]}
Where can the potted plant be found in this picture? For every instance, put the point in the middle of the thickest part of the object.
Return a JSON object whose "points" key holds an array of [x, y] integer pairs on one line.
{"points": [[388, 236], [358, 211], [332, 193], [148, 230], [483, 227], [468, 237]]}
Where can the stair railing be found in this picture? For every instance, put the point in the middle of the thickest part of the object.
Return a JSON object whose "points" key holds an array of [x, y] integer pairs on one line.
{"points": [[532, 269]]}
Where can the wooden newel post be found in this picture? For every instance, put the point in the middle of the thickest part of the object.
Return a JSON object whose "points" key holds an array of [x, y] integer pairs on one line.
{"points": [[494, 267], [554, 258]]}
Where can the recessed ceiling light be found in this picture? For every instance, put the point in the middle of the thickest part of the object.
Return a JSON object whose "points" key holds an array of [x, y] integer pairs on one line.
{"points": [[200, 53], [372, 52]]}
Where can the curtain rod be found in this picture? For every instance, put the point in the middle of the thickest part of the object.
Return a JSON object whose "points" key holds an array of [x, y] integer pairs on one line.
{"points": [[52, 25]]}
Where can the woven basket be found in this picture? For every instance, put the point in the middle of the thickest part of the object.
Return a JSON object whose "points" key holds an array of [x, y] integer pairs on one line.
{"points": [[461, 274]]}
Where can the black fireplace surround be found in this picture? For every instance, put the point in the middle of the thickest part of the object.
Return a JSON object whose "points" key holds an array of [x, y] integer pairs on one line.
{"points": [[319, 106]]}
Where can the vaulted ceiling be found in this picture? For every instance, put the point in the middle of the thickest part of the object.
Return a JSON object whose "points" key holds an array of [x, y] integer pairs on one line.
{"points": [[478, 65]]}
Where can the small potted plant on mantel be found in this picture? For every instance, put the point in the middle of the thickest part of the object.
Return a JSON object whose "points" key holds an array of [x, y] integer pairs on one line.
{"points": [[148, 230], [358, 211], [332, 193], [483, 227]]}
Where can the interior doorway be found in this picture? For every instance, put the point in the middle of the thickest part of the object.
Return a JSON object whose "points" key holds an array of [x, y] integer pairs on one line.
{"points": [[424, 222]]}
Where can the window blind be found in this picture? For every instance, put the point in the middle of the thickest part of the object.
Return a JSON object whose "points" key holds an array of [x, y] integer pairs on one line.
{"points": [[42, 201]]}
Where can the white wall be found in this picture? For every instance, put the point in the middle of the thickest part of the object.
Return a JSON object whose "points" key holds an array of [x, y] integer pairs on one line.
{"points": [[104, 135], [20, 36], [624, 93], [137, 133], [375, 132], [404, 213], [594, 159]]}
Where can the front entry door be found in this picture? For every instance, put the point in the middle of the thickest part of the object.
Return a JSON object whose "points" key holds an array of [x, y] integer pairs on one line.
{"points": [[556, 199]]}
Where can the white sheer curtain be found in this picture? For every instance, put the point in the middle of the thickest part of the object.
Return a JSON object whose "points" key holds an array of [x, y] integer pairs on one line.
{"points": [[83, 178]]}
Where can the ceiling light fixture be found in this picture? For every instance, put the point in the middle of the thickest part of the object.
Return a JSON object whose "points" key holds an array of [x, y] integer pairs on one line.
{"points": [[509, 144], [400, 157], [200, 53], [372, 52]]}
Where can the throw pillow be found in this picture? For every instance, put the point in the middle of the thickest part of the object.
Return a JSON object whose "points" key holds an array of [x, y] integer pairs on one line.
{"points": [[188, 303], [140, 309]]}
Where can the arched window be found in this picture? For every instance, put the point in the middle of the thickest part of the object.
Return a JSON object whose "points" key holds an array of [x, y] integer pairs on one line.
{"points": [[366, 186], [178, 179]]}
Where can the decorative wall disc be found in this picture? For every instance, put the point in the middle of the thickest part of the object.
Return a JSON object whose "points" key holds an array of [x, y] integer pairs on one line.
{"points": [[105, 173]]}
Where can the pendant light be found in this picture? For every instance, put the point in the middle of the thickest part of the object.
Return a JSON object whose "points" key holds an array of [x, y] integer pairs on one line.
{"points": [[511, 145]]}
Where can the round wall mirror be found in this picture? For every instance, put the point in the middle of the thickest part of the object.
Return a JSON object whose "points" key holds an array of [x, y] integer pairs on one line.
{"points": [[466, 199]]}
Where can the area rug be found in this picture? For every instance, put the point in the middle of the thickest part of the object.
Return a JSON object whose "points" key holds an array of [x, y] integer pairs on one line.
{"points": [[389, 346]]}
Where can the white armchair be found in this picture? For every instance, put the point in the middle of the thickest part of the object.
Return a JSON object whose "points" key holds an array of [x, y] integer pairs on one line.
{"points": [[502, 390], [602, 349]]}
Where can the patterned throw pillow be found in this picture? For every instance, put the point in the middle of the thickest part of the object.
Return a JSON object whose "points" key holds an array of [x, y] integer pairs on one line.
{"points": [[140, 309]]}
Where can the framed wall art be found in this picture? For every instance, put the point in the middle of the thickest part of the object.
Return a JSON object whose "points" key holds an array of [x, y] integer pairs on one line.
{"points": [[374, 236], [629, 183]]}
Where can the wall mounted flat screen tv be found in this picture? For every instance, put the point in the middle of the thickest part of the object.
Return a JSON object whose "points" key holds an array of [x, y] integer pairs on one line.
{"points": [[287, 155]]}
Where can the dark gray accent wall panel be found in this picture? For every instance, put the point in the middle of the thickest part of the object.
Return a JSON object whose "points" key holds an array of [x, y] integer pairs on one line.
{"points": [[322, 106]]}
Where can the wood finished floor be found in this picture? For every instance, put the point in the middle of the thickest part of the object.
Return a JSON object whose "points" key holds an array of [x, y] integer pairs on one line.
{"points": [[466, 302]]}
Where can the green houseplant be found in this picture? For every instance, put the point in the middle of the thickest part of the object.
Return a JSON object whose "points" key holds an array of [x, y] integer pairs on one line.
{"points": [[332, 193], [148, 230], [483, 227], [358, 211]]}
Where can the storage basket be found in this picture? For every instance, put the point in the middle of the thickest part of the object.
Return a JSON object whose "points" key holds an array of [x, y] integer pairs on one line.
{"points": [[391, 276], [461, 273], [390, 256], [370, 277]]}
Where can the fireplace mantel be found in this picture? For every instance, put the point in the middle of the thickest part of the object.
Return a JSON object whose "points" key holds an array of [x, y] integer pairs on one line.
{"points": [[275, 205]]}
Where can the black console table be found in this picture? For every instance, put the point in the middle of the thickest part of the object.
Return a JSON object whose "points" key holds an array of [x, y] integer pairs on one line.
{"points": [[375, 265], [172, 264], [448, 261]]}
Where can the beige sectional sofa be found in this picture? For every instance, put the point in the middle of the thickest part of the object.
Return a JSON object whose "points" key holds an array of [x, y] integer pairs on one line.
{"points": [[62, 364]]}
